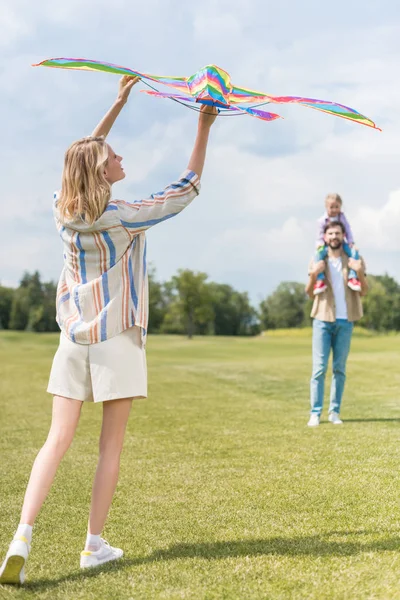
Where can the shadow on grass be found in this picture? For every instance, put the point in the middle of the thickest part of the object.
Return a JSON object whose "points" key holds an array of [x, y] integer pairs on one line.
{"points": [[313, 545], [328, 424], [371, 420]]}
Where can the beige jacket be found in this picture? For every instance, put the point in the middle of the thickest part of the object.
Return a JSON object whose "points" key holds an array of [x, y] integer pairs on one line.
{"points": [[324, 308]]}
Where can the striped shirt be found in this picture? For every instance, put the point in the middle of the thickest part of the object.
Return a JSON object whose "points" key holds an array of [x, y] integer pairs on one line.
{"points": [[103, 287]]}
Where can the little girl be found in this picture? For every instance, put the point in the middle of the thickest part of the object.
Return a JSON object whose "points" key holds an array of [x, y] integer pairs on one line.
{"points": [[333, 205], [102, 310]]}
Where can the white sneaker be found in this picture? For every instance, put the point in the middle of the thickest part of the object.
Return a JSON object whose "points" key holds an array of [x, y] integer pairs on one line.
{"points": [[13, 568], [314, 420], [334, 418], [104, 554]]}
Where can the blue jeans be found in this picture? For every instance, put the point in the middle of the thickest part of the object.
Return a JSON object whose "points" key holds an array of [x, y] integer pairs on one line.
{"points": [[322, 253], [326, 335]]}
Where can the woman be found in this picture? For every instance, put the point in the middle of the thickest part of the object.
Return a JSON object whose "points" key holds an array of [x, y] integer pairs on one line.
{"points": [[102, 311]]}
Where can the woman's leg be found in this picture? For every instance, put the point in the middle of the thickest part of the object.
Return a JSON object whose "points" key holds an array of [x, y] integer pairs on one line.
{"points": [[66, 413], [65, 419], [115, 418]]}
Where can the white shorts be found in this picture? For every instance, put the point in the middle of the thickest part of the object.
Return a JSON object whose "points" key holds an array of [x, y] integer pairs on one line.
{"points": [[115, 368]]}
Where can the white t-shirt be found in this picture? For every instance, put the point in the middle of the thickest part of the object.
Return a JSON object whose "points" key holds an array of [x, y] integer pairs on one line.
{"points": [[336, 273]]}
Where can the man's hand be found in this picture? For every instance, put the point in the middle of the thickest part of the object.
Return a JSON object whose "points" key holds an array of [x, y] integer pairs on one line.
{"points": [[314, 270], [356, 265], [318, 267], [126, 83]]}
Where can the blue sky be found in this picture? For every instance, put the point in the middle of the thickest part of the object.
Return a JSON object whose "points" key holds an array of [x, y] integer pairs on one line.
{"points": [[264, 183]]}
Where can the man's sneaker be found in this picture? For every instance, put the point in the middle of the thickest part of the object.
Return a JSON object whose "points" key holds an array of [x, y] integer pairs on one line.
{"points": [[314, 420], [13, 568], [354, 284], [334, 418], [104, 554], [319, 287]]}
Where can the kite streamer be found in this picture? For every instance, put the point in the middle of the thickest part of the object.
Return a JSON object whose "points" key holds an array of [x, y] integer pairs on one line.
{"points": [[212, 85]]}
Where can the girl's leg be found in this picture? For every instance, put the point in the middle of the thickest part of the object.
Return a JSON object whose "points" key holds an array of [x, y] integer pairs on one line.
{"points": [[351, 253], [321, 254], [115, 418], [320, 284], [65, 418]]}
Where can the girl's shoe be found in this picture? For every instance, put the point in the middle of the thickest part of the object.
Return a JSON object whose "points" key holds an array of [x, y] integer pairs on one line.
{"points": [[104, 554], [354, 284], [320, 287], [13, 568]]}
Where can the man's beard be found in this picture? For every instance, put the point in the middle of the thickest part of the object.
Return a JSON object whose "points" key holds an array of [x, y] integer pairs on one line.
{"points": [[335, 244]]}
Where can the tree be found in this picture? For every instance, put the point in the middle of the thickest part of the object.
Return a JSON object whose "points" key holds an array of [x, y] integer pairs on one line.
{"points": [[233, 313], [285, 307], [174, 321], [19, 316], [382, 304], [33, 306], [190, 307], [158, 303], [6, 300], [47, 319], [190, 304]]}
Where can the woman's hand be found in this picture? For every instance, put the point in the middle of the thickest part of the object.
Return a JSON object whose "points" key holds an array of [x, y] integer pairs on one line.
{"points": [[126, 83], [207, 116]]}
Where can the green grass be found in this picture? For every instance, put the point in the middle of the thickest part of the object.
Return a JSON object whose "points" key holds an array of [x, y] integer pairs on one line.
{"points": [[224, 492]]}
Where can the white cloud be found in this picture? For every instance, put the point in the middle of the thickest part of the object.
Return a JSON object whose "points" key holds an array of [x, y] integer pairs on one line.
{"points": [[12, 26], [264, 184], [380, 227], [153, 148], [222, 25], [254, 247]]}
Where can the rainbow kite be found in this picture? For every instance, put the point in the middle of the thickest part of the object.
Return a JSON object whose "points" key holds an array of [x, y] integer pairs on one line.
{"points": [[212, 85]]}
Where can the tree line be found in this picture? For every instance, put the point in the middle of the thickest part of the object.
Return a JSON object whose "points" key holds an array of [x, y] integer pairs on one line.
{"points": [[191, 304]]}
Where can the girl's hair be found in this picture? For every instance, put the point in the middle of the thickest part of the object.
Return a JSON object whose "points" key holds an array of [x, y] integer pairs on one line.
{"points": [[335, 197], [85, 192]]}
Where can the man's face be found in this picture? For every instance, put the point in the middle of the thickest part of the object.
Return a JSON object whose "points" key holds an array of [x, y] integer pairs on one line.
{"points": [[334, 237]]}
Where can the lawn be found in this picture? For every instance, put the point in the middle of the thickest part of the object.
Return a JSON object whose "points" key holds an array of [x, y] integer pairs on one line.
{"points": [[224, 492]]}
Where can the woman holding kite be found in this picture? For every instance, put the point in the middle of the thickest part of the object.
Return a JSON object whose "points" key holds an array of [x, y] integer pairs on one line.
{"points": [[102, 311]]}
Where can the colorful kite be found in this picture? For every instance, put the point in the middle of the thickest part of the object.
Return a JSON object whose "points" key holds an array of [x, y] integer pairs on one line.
{"points": [[212, 85]]}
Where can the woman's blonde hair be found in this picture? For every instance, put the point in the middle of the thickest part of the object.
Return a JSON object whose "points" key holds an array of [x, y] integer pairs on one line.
{"points": [[85, 192], [335, 197]]}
